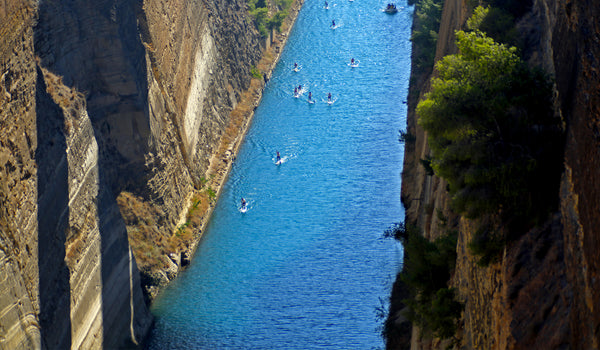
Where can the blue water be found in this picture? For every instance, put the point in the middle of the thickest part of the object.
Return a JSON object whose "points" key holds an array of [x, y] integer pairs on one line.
{"points": [[305, 267]]}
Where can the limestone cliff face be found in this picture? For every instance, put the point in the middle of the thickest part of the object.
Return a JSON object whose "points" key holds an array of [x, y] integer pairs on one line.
{"points": [[544, 291], [97, 98]]}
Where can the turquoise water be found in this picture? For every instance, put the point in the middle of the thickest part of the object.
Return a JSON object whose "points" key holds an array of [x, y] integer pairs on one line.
{"points": [[305, 267]]}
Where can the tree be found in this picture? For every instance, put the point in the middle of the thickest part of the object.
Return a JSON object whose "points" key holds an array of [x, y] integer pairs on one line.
{"points": [[492, 131]]}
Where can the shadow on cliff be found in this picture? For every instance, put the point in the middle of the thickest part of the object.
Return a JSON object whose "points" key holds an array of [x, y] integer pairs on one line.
{"points": [[120, 167], [53, 221], [95, 47]]}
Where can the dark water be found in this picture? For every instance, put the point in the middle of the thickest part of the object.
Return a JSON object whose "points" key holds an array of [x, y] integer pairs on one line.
{"points": [[306, 267]]}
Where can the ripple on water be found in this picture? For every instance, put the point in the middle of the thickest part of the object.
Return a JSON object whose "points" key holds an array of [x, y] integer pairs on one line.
{"points": [[305, 267]]}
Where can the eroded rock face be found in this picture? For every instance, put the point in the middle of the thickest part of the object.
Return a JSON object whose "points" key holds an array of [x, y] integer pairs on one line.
{"points": [[544, 291], [96, 98]]}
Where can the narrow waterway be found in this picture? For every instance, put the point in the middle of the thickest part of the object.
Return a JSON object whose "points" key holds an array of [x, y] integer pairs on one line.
{"points": [[305, 267]]}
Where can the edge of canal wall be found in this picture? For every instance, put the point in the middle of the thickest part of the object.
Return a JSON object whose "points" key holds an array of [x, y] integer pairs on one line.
{"points": [[241, 117]]}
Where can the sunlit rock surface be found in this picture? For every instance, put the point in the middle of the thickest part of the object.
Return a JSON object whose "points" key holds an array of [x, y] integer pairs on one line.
{"points": [[97, 98], [544, 293]]}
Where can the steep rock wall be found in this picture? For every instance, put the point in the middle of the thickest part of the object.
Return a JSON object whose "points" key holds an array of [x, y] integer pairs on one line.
{"points": [[576, 52], [97, 98], [543, 293]]}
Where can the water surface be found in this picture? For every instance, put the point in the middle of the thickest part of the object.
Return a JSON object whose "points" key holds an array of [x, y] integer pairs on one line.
{"points": [[306, 267]]}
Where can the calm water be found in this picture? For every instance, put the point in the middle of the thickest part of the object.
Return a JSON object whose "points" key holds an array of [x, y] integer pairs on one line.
{"points": [[306, 267]]}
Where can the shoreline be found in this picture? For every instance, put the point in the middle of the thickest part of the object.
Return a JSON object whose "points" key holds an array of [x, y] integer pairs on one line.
{"points": [[221, 161]]}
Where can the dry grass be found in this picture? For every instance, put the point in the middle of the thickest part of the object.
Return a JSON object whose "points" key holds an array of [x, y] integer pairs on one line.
{"points": [[149, 237], [69, 99], [150, 240]]}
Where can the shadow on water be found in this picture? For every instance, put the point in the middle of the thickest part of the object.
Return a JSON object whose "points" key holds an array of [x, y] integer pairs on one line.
{"points": [[87, 44], [53, 221]]}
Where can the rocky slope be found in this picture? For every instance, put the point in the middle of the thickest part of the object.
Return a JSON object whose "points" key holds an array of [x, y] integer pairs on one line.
{"points": [[543, 293], [100, 101]]}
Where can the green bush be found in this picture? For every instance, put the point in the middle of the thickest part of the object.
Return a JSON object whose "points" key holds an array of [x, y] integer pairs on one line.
{"points": [[436, 313], [398, 231], [283, 5], [488, 244], [426, 163], [259, 11], [406, 137], [496, 23], [256, 73], [428, 265], [261, 16], [492, 131], [425, 31], [276, 21], [427, 270]]}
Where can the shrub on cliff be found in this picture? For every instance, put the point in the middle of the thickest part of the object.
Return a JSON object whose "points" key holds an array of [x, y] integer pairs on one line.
{"points": [[428, 267], [493, 134], [497, 23], [425, 32], [259, 10], [276, 21], [261, 16]]}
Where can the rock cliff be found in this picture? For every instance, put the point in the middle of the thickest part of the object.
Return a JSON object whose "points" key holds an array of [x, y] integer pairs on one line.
{"points": [[100, 101], [543, 293]]}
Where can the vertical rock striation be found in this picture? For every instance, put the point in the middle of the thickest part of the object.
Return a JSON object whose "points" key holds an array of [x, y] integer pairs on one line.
{"points": [[97, 98], [543, 293]]}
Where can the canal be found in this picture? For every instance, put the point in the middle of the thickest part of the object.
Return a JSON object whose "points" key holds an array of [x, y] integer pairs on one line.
{"points": [[306, 266]]}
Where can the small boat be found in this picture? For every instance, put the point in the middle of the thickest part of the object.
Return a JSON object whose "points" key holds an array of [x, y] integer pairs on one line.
{"points": [[391, 8]]}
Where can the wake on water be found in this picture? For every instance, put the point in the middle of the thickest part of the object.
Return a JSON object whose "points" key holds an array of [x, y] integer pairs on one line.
{"points": [[245, 208], [330, 102], [297, 93], [282, 160]]}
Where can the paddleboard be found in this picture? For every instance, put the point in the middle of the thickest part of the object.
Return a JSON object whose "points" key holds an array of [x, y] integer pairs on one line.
{"points": [[282, 160], [330, 102]]}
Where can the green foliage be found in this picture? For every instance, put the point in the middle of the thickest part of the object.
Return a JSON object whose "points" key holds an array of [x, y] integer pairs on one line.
{"points": [[259, 11], [425, 31], [479, 14], [492, 130], [427, 269], [276, 21], [437, 313], [426, 163], [203, 181], [496, 23], [406, 137], [398, 231], [261, 15], [211, 193], [283, 5], [500, 25], [487, 244], [255, 73], [254, 4], [428, 265]]}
